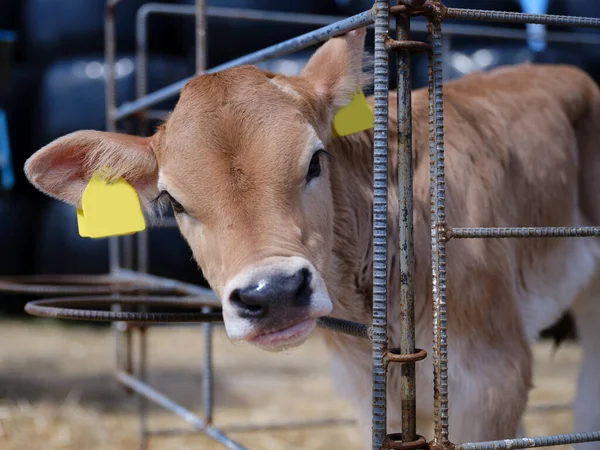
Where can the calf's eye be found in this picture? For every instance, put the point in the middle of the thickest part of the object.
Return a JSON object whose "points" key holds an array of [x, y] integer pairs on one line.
{"points": [[314, 168], [164, 195], [177, 208]]}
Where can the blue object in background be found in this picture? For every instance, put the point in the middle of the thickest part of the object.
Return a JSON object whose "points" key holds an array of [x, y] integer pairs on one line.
{"points": [[6, 169], [7, 45], [537, 33]]}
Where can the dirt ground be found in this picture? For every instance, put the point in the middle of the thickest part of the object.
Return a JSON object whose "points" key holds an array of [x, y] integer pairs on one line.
{"points": [[57, 391]]}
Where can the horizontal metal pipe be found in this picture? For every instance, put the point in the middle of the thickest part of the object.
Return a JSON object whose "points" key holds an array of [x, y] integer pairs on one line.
{"points": [[209, 298], [78, 308], [241, 14], [322, 20], [345, 326], [521, 232], [168, 222], [455, 29], [407, 45], [259, 427], [516, 17], [157, 397], [159, 114], [291, 45], [286, 425], [542, 441]]}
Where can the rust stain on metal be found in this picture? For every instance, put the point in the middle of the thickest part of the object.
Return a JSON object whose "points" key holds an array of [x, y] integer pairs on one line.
{"points": [[394, 355], [394, 441], [409, 46], [435, 445]]}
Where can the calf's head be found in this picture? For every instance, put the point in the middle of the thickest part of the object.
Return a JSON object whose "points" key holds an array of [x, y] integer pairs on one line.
{"points": [[243, 161]]}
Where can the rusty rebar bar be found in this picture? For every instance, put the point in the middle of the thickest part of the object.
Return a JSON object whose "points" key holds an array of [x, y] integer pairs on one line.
{"points": [[407, 45], [405, 220]]}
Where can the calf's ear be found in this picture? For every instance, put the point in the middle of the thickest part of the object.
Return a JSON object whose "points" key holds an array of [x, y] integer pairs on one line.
{"points": [[336, 69], [63, 168]]}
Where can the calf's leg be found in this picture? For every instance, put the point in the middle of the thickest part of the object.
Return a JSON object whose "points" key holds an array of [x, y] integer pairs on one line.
{"points": [[586, 408]]}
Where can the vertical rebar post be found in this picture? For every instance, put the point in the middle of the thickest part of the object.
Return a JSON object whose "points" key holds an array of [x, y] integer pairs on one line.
{"points": [[207, 380], [111, 104], [200, 36], [405, 220], [142, 238], [141, 64], [438, 222], [111, 125], [142, 401], [380, 199], [142, 267]]}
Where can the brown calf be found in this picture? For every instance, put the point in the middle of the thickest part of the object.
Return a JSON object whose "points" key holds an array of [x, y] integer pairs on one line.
{"points": [[278, 214]]}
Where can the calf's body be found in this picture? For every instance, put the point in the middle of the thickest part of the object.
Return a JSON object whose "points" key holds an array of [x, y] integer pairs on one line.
{"points": [[521, 148], [278, 214]]}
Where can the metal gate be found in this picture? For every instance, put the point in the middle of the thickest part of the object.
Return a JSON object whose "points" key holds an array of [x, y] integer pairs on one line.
{"points": [[126, 288]]}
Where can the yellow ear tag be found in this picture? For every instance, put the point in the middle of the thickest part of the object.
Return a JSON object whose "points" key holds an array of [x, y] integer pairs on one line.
{"points": [[355, 117], [83, 232], [109, 209]]}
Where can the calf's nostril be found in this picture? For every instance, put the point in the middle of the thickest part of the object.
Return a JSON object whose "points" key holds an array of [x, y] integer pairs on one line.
{"points": [[248, 303], [304, 290]]}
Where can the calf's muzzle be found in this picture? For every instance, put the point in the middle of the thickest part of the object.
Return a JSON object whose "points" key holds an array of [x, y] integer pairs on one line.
{"points": [[271, 294]]}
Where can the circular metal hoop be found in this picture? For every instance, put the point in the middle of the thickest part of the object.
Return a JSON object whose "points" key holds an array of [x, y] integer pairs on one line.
{"points": [[86, 308], [395, 442], [78, 285], [394, 355]]}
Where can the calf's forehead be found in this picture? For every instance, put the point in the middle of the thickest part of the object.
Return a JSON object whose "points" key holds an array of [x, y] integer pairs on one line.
{"points": [[233, 112], [234, 129]]}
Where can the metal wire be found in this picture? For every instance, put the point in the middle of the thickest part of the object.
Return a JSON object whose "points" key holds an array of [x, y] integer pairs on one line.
{"points": [[164, 401]]}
